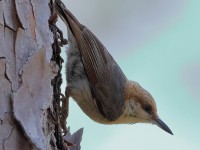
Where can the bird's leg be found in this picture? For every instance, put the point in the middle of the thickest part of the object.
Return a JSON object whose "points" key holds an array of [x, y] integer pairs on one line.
{"points": [[64, 110]]}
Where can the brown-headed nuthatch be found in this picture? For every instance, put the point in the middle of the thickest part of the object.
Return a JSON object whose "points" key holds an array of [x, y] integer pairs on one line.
{"points": [[98, 85]]}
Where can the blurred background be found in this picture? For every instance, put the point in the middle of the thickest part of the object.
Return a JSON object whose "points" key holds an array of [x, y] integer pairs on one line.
{"points": [[156, 43]]}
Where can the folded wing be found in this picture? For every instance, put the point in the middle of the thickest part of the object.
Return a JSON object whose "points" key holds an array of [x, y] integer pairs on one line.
{"points": [[106, 79]]}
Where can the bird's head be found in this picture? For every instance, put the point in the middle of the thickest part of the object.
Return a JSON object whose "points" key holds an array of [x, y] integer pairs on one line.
{"points": [[140, 107]]}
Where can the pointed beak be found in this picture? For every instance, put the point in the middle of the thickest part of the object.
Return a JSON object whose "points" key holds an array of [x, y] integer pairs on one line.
{"points": [[162, 125]]}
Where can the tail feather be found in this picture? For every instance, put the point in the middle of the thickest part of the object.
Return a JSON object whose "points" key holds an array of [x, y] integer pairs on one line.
{"points": [[69, 19]]}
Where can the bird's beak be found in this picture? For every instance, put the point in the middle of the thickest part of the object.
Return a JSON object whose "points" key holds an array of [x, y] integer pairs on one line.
{"points": [[162, 125]]}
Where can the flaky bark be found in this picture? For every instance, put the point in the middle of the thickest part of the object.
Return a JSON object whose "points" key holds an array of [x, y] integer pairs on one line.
{"points": [[30, 79], [26, 71]]}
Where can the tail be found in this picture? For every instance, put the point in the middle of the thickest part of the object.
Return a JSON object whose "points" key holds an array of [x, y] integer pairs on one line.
{"points": [[68, 18]]}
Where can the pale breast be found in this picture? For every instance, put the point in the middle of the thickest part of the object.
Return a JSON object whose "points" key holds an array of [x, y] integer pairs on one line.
{"points": [[77, 83]]}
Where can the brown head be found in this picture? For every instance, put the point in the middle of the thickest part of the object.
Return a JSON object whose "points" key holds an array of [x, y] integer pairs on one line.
{"points": [[140, 107]]}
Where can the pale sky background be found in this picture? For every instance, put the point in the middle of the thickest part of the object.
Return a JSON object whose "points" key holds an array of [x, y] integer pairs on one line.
{"points": [[156, 43]]}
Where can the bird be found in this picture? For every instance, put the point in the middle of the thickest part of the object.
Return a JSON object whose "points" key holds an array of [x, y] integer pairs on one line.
{"points": [[97, 83]]}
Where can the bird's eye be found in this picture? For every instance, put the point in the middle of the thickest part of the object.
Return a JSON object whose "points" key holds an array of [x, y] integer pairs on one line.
{"points": [[148, 108]]}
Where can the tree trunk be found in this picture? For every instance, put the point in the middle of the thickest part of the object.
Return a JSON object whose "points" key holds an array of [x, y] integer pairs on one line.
{"points": [[26, 72], [30, 79]]}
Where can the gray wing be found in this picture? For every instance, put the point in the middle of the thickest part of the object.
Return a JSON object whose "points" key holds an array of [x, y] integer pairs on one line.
{"points": [[106, 79]]}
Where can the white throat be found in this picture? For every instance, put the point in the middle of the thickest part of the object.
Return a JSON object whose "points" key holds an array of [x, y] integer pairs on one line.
{"points": [[132, 114]]}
